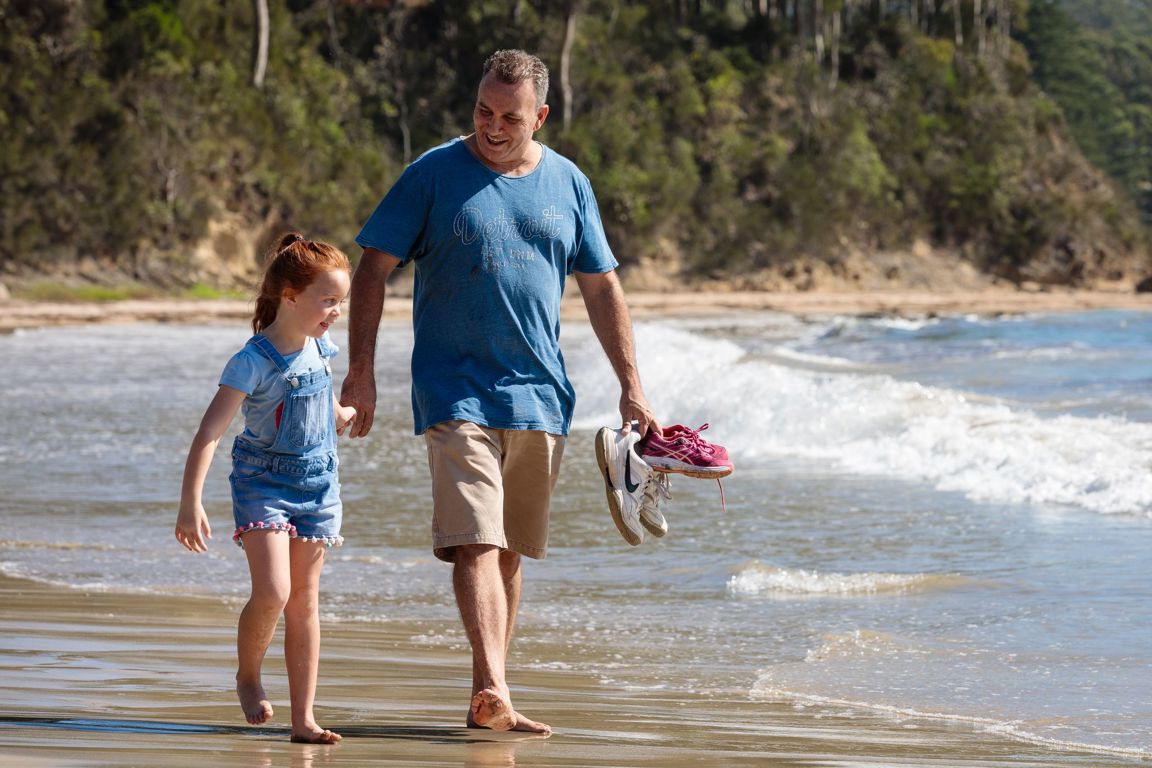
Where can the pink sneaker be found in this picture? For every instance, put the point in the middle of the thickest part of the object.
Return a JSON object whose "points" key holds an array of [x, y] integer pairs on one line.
{"points": [[681, 450]]}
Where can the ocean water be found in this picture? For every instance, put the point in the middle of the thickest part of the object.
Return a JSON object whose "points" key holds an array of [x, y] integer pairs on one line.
{"points": [[948, 518]]}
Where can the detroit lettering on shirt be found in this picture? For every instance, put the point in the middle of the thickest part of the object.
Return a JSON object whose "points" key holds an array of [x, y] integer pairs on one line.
{"points": [[491, 253]]}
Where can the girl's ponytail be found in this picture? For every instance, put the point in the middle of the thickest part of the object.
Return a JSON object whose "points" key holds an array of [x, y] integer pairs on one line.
{"points": [[265, 313], [289, 239]]}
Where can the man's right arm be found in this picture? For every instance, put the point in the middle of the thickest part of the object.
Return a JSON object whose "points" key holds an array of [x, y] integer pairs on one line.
{"points": [[367, 305]]}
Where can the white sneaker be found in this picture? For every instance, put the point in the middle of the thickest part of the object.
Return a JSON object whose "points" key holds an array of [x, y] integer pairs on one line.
{"points": [[656, 493], [626, 477]]}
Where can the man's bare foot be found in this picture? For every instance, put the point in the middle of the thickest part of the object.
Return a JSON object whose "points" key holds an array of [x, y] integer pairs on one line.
{"points": [[491, 710], [257, 708], [317, 736]]}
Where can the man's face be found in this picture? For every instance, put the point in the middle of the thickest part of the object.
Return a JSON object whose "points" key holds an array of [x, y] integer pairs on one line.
{"points": [[505, 118]]}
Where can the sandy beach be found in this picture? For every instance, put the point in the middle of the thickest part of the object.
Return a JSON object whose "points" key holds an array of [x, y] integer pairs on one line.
{"points": [[897, 303], [100, 679]]}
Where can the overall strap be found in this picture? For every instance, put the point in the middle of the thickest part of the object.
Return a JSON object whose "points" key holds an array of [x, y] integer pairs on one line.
{"points": [[324, 347], [261, 343]]}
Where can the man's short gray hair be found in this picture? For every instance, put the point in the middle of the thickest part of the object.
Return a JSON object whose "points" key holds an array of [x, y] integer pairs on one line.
{"points": [[514, 66]]}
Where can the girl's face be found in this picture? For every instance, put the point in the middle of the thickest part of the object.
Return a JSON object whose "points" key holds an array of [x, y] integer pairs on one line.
{"points": [[319, 305]]}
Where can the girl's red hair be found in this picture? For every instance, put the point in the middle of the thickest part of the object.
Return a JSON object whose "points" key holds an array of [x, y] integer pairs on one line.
{"points": [[294, 265]]}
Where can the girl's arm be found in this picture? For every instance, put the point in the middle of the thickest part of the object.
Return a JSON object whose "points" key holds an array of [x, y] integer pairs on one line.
{"points": [[192, 528], [344, 414]]}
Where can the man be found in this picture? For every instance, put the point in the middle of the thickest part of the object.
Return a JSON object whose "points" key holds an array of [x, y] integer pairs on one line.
{"points": [[493, 223]]}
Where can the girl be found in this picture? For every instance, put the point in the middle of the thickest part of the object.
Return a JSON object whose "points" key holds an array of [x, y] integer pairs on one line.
{"points": [[285, 491]]}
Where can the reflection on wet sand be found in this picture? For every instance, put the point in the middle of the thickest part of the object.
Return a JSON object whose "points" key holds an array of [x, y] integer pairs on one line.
{"points": [[155, 691]]}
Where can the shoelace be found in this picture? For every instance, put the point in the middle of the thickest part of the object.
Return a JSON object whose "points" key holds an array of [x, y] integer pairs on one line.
{"points": [[658, 489], [692, 437]]}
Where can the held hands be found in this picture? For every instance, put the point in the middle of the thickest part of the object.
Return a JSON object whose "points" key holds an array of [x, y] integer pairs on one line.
{"points": [[192, 528], [358, 394], [345, 414]]}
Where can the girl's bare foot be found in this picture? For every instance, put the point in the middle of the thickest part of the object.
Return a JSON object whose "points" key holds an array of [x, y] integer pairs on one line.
{"points": [[318, 736], [491, 710], [257, 708]]}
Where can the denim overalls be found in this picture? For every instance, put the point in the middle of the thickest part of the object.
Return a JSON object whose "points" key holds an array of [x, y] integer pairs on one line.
{"points": [[293, 485]]}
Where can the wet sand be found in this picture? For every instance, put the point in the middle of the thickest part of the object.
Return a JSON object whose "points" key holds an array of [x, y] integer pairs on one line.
{"points": [[896, 303], [101, 679]]}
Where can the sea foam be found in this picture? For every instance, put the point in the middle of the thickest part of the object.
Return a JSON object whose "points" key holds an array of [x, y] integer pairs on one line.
{"points": [[867, 423], [764, 580]]}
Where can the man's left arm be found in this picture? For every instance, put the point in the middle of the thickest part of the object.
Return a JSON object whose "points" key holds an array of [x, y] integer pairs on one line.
{"points": [[608, 313]]}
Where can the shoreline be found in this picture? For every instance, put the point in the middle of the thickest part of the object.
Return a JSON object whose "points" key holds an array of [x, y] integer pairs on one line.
{"points": [[908, 303], [103, 678]]}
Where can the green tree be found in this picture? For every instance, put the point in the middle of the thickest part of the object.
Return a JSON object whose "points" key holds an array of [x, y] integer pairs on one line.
{"points": [[1099, 71]]}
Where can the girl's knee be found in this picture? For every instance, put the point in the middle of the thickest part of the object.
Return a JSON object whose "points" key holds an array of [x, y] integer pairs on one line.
{"points": [[271, 596], [302, 603]]}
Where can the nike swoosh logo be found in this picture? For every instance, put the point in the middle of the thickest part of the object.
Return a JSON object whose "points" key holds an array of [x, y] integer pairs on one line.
{"points": [[631, 486]]}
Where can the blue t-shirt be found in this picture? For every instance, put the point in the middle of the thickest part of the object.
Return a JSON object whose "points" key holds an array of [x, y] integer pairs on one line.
{"points": [[251, 372], [491, 254]]}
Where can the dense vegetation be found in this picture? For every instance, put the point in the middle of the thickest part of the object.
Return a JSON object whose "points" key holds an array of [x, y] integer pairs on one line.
{"points": [[723, 138], [1094, 58]]}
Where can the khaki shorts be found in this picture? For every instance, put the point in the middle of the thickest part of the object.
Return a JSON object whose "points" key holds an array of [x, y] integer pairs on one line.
{"points": [[491, 486]]}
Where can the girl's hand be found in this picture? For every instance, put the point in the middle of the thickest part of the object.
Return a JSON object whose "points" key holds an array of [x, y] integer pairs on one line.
{"points": [[344, 416], [192, 528]]}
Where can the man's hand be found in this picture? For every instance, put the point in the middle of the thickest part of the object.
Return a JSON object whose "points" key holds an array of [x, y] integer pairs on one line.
{"points": [[636, 413], [359, 392]]}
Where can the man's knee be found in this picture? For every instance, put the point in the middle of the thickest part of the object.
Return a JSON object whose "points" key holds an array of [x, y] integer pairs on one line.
{"points": [[509, 562], [470, 554]]}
